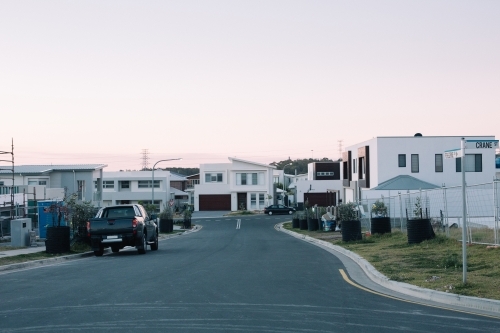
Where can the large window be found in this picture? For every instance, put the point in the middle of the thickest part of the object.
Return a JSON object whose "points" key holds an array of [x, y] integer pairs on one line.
{"points": [[473, 163], [414, 163], [438, 162], [402, 160], [253, 201], [124, 184], [147, 184], [261, 200], [250, 178], [108, 184], [213, 178]]}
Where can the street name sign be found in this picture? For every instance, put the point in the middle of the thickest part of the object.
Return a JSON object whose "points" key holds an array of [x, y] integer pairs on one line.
{"points": [[453, 153], [481, 144]]}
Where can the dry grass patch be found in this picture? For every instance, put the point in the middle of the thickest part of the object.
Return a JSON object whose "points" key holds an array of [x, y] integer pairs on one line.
{"points": [[433, 264]]}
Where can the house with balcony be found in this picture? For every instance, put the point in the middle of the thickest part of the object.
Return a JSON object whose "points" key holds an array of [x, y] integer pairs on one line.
{"points": [[322, 185], [235, 185], [192, 181], [375, 167], [132, 187], [51, 182]]}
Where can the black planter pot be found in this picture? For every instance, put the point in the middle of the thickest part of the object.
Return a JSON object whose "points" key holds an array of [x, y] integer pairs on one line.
{"points": [[419, 230], [351, 230], [187, 223], [312, 224], [166, 225], [380, 225], [295, 223], [303, 224], [57, 240]]}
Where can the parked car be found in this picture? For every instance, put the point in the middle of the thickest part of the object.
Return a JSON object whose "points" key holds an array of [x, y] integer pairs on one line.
{"points": [[278, 209]]}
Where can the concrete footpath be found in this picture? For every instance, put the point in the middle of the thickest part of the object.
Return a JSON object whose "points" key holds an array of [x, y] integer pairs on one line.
{"points": [[40, 247], [364, 274]]}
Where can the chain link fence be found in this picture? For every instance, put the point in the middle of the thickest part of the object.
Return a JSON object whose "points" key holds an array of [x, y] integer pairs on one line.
{"points": [[443, 206]]}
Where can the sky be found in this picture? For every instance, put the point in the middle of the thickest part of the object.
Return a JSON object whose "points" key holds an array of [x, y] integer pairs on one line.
{"points": [[100, 81]]}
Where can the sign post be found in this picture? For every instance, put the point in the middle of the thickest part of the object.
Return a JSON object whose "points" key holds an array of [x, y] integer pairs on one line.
{"points": [[460, 153]]}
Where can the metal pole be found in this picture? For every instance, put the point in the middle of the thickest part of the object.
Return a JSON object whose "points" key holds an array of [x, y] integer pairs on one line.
{"points": [[464, 215], [400, 212], [495, 208], [446, 212], [153, 178]]}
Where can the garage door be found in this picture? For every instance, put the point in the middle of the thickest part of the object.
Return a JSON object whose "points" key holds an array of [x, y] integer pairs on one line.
{"points": [[215, 202], [321, 199]]}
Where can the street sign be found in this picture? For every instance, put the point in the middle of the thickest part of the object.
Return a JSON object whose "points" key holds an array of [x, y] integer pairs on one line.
{"points": [[481, 144], [453, 153]]}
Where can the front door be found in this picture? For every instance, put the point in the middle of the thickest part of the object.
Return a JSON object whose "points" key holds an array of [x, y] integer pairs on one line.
{"points": [[242, 201]]}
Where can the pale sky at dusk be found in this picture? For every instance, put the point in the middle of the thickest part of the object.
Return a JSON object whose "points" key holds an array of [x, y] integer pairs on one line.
{"points": [[98, 81]]}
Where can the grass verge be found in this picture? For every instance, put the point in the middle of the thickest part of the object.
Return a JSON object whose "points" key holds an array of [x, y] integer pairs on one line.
{"points": [[75, 249], [434, 264]]}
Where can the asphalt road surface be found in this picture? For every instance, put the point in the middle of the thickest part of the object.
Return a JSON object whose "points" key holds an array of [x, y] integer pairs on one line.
{"points": [[228, 277]]}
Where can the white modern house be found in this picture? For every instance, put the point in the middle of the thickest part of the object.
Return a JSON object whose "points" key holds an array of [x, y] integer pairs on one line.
{"points": [[231, 186], [130, 187], [51, 182], [412, 163]]}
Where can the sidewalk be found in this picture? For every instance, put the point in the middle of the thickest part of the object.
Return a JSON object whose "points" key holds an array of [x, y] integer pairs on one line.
{"points": [[41, 246]]}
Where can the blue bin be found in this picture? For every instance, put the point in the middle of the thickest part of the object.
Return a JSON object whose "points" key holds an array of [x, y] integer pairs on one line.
{"points": [[48, 216]]}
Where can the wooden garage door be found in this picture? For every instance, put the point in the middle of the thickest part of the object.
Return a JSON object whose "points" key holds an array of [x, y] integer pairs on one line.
{"points": [[321, 199], [215, 202]]}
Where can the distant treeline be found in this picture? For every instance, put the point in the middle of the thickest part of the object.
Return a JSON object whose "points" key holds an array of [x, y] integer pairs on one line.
{"points": [[299, 165]]}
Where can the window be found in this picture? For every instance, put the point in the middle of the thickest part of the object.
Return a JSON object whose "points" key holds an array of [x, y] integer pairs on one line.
{"points": [[253, 201], [473, 163], [402, 160], [261, 200], [324, 173], [213, 178], [147, 184], [276, 180], [125, 184], [2, 184], [108, 184], [361, 168], [250, 178], [438, 158], [414, 163], [81, 189], [354, 166], [42, 182]]}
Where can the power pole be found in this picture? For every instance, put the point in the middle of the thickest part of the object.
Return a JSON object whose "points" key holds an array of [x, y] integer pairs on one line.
{"points": [[145, 159], [12, 169]]}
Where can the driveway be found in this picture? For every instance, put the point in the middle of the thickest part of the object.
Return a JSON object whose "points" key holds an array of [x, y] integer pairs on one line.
{"points": [[209, 214]]}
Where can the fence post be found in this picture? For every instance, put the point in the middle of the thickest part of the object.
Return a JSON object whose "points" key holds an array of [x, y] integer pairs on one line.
{"points": [[400, 212], [446, 212], [495, 207]]}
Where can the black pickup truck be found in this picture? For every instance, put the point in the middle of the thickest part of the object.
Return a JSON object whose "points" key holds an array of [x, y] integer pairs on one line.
{"points": [[120, 226]]}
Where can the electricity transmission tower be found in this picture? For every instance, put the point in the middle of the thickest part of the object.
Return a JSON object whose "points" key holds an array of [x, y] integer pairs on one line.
{"points": [[145, 159]]}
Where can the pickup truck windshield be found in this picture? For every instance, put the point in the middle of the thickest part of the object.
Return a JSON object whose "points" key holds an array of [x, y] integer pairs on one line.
{"points": [[117, 212]]}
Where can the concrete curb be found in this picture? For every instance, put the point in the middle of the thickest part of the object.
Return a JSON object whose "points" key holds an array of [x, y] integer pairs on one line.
{"points": [[468, 302], [47, 261]]}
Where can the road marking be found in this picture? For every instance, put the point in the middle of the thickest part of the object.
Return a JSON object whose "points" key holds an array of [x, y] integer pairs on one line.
{"points": [[346, 278], [238, 224]]}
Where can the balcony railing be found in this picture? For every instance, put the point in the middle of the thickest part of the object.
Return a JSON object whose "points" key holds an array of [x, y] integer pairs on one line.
{"points": [[192, 182]]}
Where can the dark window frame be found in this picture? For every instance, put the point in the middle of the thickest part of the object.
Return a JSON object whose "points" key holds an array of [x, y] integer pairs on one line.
{"points": [[402, 160], [438, 163], [415, 168]]}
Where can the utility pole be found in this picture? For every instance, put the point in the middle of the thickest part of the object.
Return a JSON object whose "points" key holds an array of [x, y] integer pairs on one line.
{"points": [[11, 152], [340, 148]]}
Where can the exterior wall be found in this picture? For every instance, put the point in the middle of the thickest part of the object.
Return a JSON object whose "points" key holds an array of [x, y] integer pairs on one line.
{"points": [[229, 182], [384, 159], [136, 194]]}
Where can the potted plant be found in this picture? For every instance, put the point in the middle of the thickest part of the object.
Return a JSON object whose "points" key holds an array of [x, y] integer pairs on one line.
{"points": [[347, 214], [58, 234], [166, 219], [379, 221], [312, 220], [418, 228], [295, 220], [303, 220], [187, 218]]}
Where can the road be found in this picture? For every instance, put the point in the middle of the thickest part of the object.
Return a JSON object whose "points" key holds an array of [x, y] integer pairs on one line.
{"points": [[227, 277]]}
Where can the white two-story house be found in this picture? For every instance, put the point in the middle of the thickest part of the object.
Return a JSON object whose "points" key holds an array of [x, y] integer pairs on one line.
{"points": [[235, 185], [131, 187], [412, 161]]}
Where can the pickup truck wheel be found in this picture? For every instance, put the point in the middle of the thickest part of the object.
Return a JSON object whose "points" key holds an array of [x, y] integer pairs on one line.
{"points": [[100, 252], [115, 249], [154, 246], [144, 247]]}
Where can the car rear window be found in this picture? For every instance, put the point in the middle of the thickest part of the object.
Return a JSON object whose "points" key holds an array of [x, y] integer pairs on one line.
{"points": [[116, 212]]}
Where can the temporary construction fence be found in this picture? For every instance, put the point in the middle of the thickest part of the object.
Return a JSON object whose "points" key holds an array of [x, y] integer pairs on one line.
{"points": [[443, 206]]}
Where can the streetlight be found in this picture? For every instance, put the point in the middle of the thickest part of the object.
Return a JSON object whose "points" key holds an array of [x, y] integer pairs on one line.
{"points": [[284, 180], [153, 178]]}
